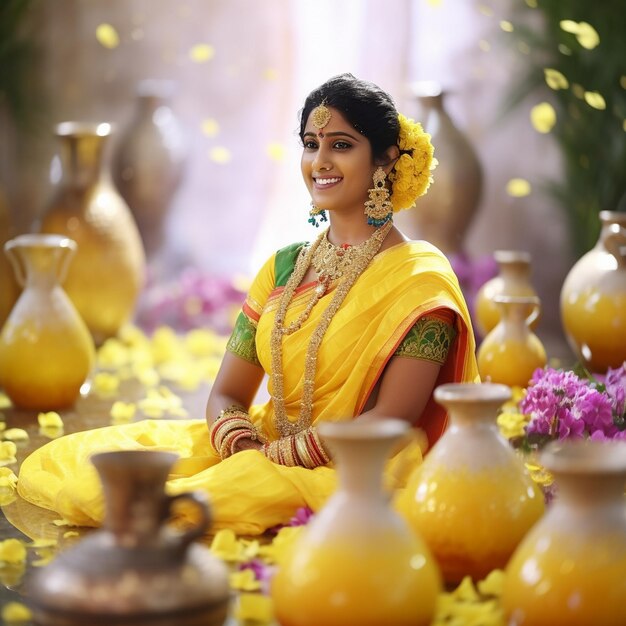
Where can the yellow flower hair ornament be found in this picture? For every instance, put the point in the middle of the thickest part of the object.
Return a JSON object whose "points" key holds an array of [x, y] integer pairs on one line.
{"points": [[412, 173]]}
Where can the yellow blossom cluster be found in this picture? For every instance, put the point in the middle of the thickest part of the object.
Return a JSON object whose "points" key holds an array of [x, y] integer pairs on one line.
{"points": [[411, 175]]}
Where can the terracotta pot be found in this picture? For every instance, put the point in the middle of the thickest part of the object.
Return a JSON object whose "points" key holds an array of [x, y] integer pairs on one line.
{"points": [[444, 214], [135, 570], [149, 160], [46, 351], [472, 500], [571, 567], [357, 562], [108, 273], [593, 299]]}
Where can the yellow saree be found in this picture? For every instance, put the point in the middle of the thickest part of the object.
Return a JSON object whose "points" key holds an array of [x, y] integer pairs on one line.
{"points": [[248, 492]]}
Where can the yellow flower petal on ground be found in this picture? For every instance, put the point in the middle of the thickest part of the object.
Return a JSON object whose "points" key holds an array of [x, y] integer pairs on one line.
{"points": [[105, 384], [518, 187], [543, 117], [210, 127], [15, 612], [254, 607], [113, 353], [8, 479], [554, 79], [595, 100], [7, 452], [280, 546], [200, 342], [244, 580], [51, 432], [12, 551], [5, 403], [493, 584], [123, 411], [132, 335], [51, 419], [466, 591], [166, 345], [506, 26], [148, 376], [107, 36], [587, 36], [220, 155], [276, 151], [225, 546], [15, 434], [201, 53]]}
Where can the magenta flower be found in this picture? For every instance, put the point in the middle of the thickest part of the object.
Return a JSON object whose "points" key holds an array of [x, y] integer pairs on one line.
{"points": [[562, 405]]}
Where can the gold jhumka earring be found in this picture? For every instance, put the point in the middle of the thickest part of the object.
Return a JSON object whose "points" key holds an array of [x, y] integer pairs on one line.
{"points": [[316, 213], [378, 208]]}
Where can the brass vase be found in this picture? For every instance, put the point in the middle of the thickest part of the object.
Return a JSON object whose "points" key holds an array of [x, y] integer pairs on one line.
{"points": [[136, 569], [46, 351], [149, 161], [593, 298], [444, 214], [513, 279], [108, 273]]}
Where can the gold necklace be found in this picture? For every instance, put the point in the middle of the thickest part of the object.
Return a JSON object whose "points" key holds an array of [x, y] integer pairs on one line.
{"points": [[349, 274]]}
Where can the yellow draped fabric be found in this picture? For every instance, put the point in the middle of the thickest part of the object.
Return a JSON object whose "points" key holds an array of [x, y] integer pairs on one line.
{"points": [[249, 493]]}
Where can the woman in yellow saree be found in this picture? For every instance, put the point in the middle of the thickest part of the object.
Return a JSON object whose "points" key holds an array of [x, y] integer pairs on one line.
{"points": [[362, 323]]}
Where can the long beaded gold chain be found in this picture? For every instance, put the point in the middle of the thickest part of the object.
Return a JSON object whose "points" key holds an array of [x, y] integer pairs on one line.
{"points": [[349, 273]]}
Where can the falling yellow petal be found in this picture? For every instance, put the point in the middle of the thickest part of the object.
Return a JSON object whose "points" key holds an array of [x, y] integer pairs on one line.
{"points": [[107, 36], [506, 26], [434, 3], [254, 607], [587, 36], [523, 47], [220, 155], [543, 117], [518, 187], [270, 74], [563, 49], [15, 612], [569, 26], [554, 79], [51, 419], [276, 151], [12, 551], [595, 100], [7, 452], [485, 10], [210, 127], [532, 3], [484, 45], [201, 53]]}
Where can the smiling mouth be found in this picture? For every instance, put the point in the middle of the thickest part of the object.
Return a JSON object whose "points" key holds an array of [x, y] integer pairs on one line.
{"points": [[326, 182]]}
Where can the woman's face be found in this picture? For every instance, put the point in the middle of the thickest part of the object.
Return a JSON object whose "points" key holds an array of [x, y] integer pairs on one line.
{"points": [[337, 165]]}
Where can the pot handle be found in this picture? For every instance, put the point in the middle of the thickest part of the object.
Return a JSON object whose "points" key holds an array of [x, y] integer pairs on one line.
{"points": [[201, 504], [16, 262], [615, 243]]}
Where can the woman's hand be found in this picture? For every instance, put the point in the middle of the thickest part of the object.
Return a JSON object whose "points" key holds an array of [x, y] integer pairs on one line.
{"points": [[247, 444]]}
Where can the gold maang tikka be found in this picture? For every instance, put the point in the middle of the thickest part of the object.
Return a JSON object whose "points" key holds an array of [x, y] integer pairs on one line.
{"points": [[320, 116]]}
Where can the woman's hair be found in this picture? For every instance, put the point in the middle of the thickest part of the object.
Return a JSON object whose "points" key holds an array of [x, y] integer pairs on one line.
{"points": [[369, 109]]}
